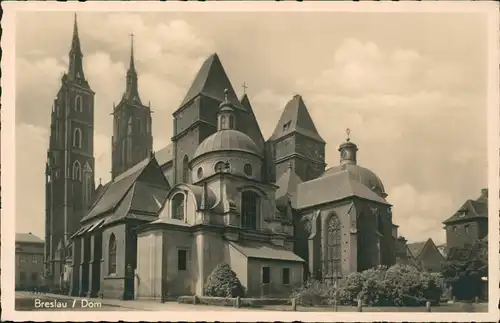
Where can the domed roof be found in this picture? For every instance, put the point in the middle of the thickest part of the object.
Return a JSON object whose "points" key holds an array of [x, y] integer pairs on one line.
{"points": [[227, 139], [359, 174]]}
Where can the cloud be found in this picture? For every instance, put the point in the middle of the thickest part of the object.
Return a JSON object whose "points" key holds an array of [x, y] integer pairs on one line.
{"points": [[420, 214]]}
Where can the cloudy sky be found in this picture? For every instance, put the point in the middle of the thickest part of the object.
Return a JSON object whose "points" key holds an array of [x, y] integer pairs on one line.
{"points": [[412, 88]]}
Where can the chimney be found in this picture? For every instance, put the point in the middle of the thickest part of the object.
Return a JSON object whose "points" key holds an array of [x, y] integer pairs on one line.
{"points": [[484, 192]]}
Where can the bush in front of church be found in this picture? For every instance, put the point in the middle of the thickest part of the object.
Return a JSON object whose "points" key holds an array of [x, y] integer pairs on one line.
{"points": [[399, 285], [223, 282], [313, 292]]}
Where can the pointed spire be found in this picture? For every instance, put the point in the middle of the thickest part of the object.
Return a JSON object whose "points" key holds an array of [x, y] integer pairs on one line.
{"points": [[211, 80], [132, 63], [75, 68], [132, 88], [75, 43], [296, 119]]}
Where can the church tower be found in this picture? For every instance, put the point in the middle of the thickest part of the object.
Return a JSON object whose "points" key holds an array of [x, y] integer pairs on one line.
{"points": [[296, 142], [69, 180], [196, 118], [132, 139]]}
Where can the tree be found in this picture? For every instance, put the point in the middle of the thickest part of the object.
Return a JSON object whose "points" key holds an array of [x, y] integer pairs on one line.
{"points": [[464, 269], [223, 282]]}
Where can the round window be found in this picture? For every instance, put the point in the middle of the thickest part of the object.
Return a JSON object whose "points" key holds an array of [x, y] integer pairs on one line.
{"points": [[248, 169], [219, 167], [200, 173]]}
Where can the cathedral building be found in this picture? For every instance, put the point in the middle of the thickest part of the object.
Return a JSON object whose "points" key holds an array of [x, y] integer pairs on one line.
{"points": [[219, 192]]}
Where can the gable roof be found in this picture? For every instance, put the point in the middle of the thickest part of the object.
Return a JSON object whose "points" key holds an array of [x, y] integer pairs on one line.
{"points": [[332, 188], [124, 190], [296, 119], [211, 81], [28, 238], [253, 129], [470, 210], [416, 248]]}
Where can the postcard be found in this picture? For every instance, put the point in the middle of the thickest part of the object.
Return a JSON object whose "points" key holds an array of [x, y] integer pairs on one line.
{"points": [[255, 161]]}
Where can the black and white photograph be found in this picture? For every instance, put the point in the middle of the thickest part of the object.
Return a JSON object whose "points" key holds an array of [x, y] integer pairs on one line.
{"points": [[272, 161]]}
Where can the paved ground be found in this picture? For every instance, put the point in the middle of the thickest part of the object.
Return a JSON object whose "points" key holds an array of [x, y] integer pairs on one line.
{"points": [[26, 301]]}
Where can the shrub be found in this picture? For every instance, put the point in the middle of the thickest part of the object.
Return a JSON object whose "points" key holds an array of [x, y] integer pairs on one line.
{"points": [[350, 289], [313, 292], [223, 282], [399, 285]]}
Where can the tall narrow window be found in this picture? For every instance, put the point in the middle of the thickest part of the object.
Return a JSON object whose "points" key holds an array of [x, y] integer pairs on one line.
{"points": [[139, 126], [266, 275], [249, 210], [178, 206], [77, 171], [231, 122], [285, 276], [129, 150], [78, 103], [333, 248], [112, 255], [77, 138], [87, 184], [181, 259], [185, 169]]}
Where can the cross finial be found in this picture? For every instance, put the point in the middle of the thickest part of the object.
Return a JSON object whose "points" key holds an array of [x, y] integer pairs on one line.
{"points": [[245, 87], [348, 132]]}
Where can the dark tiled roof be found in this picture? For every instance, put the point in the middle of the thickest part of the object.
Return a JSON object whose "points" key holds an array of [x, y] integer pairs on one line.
{"points": [[298, 119], [287, 187], [126, 193], [28, 238], [165, 154], [332, 188], [470, 210], [416, 248], [211, 81], [264, 251], [253, 129], [116, 190]]}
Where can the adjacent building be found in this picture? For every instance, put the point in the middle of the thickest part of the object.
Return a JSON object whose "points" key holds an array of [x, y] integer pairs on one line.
{"points": [[29, 261], [427, 255], [469, 224]]}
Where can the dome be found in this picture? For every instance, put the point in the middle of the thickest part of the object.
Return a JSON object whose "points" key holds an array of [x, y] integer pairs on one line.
{"points": [[359, 174], [228, 139]]}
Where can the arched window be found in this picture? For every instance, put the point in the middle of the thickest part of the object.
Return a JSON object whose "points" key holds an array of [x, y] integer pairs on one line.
{"points": [[77, 138], [178, 207], [185, 170], [333, 254], [77, 171], [78, 103], [112, 255], [249, 209], [231, 122]]}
